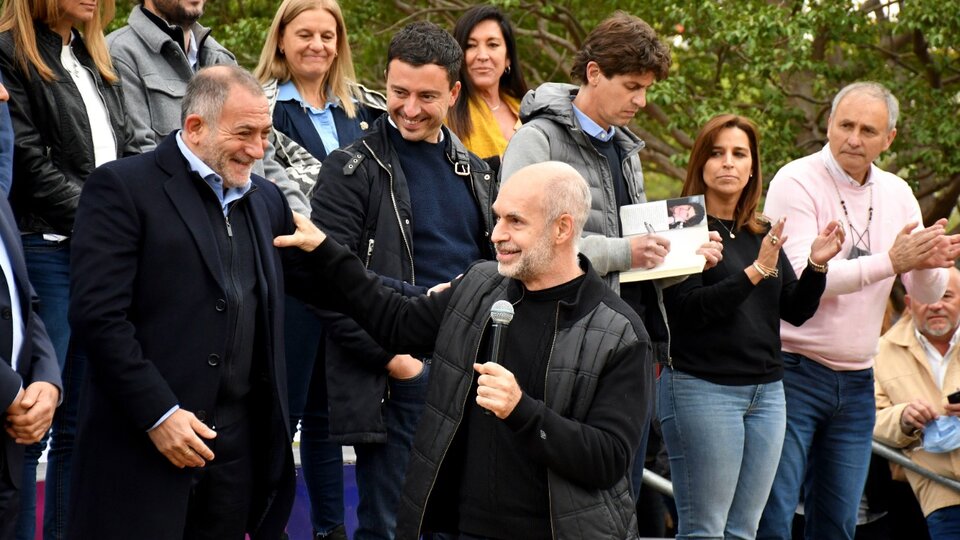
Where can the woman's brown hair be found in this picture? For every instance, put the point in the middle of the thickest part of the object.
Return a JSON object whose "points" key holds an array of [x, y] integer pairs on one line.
{"points": [[745, 214]]}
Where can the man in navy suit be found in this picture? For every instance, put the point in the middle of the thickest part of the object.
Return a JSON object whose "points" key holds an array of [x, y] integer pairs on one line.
{"points": [[177, 295], [29, 376]]}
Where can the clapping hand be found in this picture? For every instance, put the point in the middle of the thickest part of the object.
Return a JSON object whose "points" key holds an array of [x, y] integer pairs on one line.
{"points": [[770, 245], [827, 244]]}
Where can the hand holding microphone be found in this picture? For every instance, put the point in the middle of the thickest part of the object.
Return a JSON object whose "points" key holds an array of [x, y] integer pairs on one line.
{"points": [[497, 390]]}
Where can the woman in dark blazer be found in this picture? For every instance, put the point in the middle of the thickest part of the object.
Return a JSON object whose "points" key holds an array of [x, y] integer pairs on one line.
{"points": [[307, 73]]}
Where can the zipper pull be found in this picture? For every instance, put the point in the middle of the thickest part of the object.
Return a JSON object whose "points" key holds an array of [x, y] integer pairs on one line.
{"points": [[369, 251], [226, 219]]}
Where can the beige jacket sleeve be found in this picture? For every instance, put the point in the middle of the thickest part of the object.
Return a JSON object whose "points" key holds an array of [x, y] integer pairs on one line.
{"points": [[887, 429]]}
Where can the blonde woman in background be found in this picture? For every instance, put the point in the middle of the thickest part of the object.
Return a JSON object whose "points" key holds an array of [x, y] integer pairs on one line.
{"points": [[307, 73]]}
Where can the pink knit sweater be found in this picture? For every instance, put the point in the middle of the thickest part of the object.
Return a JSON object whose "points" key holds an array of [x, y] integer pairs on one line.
{"points": [[843, 334]]}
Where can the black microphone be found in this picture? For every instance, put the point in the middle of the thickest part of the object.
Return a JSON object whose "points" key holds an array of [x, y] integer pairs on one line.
{"points": [[501, 313]]}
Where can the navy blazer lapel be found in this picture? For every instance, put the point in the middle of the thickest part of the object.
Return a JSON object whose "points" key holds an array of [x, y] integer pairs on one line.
{"points": [[11, 239], [190, 207], [300, 128], [261, 219], [348, 129], [189, 204]]}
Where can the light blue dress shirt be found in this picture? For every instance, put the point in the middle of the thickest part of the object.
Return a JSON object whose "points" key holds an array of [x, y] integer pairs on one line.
{"points": [[225, 196], [322, 118], [592, 128]]}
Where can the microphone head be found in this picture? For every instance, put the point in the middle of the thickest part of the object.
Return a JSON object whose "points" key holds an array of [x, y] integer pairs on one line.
{"points": [[502, 312]]}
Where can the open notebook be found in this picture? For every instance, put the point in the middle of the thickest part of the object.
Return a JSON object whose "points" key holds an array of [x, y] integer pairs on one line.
{"points": [[683, 221]]}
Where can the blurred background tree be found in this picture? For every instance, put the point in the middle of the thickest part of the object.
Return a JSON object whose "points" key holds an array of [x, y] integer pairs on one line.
{"points": [[778, 62]]}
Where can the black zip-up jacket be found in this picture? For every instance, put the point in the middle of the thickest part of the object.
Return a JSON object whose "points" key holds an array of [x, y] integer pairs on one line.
{"points": [[363, 202], [53, 145]]}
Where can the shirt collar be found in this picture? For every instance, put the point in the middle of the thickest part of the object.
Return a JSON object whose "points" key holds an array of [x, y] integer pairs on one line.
{"points": [[193, 52], [288, 92], [592, 128], [836, 171], [211, 178], [929, 348]]}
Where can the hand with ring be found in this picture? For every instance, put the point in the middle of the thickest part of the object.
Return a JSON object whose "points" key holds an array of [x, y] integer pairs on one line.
{"points": [[769, 252]]}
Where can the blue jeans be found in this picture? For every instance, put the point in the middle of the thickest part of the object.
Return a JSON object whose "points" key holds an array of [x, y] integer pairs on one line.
{"points": [[48, 264], [322, 460], [724, 444], [381, 467], [944, 524], [826, 450]]}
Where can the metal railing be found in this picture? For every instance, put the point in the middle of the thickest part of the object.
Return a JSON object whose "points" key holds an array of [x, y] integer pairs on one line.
{"points": [[894, 455], [891, 454]]}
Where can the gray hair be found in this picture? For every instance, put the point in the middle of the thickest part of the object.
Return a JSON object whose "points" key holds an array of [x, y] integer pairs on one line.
{"points": [[209, 88], [875, 90], [565, 192]]}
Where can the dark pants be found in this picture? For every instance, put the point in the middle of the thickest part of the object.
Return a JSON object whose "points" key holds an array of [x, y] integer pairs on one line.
{"points": [[944, 523], [9, 499], [220, 497], [322, 460], [48, 263], [382, 467]]}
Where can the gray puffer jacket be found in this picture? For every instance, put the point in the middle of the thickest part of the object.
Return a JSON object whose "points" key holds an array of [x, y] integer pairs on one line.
{"points": [[550, 131]]}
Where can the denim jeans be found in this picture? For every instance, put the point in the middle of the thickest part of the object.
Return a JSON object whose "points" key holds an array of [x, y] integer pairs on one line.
{"points": [[724, 444], [381, 467], [944, 524], [322, 460], [826, 450], [48, 264]]}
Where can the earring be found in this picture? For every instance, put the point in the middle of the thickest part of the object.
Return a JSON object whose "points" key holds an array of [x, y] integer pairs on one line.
{"points": [[506, 71], [281, 51]]}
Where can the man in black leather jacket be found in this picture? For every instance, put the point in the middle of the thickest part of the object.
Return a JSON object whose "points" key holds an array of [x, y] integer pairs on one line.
{"points": [[414, 204]]}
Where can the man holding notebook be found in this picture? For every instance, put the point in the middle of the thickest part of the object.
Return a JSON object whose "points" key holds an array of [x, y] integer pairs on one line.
{"points": [[585, 127]]}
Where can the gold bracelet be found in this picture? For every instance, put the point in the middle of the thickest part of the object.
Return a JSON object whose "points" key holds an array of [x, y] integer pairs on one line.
{"points": [[772, 272], [765, 273], [821, 268]]}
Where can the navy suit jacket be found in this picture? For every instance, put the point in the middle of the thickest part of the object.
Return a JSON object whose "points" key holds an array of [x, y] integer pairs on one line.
{"points": [[148, 304], [37, 361]]}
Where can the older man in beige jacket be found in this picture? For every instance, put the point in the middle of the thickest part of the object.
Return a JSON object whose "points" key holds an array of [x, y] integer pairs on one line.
{"points": [[916, 368]]}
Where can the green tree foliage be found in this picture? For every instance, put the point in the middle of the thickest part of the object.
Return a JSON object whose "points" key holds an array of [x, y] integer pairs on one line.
{"points": [[778, 62]]}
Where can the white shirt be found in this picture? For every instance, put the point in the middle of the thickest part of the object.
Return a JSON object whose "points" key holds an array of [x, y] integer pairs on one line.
{"points": [[17, 319], [938, 362], [104, 143]]}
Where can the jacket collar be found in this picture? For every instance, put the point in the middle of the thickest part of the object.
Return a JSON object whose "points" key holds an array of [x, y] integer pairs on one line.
{"points": [[453, 147], [53, 40], [155, 37], [589, 295], [555, 102], [902, 334]]}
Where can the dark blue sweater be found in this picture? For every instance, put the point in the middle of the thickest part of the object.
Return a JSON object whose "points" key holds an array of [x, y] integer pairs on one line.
{"points": [[447, 227]]}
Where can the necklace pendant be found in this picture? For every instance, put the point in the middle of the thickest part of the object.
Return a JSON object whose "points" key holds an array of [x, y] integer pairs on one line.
{"points": [[732, 236]]}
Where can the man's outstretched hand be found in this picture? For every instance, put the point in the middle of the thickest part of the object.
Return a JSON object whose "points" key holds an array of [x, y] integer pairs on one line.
{"points": [[307, 236]]}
